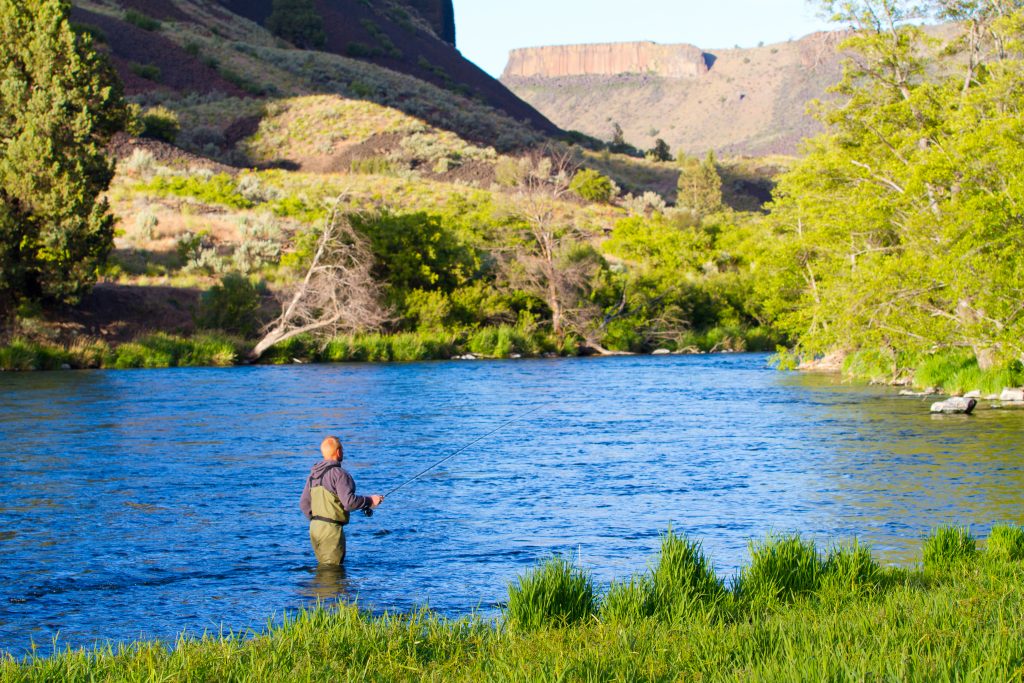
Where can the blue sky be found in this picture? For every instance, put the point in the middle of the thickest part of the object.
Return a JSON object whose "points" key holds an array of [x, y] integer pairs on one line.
{"points": [[488, 29]]}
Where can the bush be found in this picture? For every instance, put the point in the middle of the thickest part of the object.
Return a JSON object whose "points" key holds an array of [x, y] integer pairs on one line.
{"points": [[160, 123], [141, 20], [298, 22], [210, 189], [781, 568], [1006, 542], [949, 545], [151, 72], [593, 187], [232, 306], [555, 593]]}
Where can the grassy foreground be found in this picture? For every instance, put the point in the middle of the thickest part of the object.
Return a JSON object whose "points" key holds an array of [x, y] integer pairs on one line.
{"points": [[792, 614]]}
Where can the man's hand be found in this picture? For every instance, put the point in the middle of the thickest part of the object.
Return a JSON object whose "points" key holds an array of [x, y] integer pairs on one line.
{"points": [[375, 501]]}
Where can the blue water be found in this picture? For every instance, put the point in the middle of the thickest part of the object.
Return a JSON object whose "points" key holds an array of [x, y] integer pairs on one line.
{"points": [[144, 504]]}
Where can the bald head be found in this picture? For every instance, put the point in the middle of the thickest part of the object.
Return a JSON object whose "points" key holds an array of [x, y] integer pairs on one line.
{"points": [[331, 449]]}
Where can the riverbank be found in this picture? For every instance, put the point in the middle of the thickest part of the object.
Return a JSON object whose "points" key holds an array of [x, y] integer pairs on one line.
{"points": [[792, 614], [214, 349]]}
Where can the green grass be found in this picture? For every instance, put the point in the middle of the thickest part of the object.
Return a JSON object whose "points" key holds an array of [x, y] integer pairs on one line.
{"points": [[1006, 542], [554, 593], [151, 351], [781, 569], [949, 545], [962, 621]]}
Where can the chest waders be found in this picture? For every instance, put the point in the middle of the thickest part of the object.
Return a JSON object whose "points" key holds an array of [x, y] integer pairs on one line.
{"points": [[326, 530]]}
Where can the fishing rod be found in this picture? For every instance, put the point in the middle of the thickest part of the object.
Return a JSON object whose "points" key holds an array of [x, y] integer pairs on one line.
{"points": [[518, 418]]}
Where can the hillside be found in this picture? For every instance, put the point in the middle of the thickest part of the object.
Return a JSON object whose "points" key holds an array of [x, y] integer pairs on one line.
{"points": [[161, 47], [736, 101]]}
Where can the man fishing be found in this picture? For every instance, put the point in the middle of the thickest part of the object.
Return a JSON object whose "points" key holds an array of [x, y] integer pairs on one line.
{"points": [[327, 499]]}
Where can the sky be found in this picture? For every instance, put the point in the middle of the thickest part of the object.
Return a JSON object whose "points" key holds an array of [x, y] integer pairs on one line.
{"points": [[487, 29]]}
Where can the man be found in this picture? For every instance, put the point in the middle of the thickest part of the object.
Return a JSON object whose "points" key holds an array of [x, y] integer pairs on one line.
{"points": [[327, 500]]}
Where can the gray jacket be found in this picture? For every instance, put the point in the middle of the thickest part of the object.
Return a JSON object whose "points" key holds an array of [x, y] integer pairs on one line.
{"points": [[337, 481]]}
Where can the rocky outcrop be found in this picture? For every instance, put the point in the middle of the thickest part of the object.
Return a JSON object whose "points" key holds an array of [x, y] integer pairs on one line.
{"points": [[440, 14], [607, 59]]}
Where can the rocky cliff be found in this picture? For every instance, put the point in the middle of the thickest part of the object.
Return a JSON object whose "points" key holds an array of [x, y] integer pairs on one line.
{"points": [[440, 14], [608, 59], [747, 101]]}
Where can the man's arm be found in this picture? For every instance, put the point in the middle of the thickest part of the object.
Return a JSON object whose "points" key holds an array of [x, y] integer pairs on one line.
{"points": [[305, 503], [345, 489]]}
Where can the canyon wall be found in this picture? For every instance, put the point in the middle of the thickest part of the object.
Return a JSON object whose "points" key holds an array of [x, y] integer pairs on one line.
{"points": [[607, 59]]}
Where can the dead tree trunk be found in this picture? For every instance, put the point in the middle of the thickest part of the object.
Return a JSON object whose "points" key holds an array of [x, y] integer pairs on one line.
{"points": [[338, 293]]}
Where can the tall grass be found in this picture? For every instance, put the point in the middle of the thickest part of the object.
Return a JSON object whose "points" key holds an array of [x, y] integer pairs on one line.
{"points": [[949, 545], [555, 593], [966, 625], [781, 568], [151, 351], [684, 579], [1006, 542]]}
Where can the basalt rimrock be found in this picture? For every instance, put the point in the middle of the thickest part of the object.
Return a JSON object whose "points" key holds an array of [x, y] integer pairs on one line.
{"points": [[741, 101], [607, 59], [751, 101]]}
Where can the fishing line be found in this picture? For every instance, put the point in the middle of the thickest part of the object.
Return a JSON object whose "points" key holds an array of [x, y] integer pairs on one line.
{"points": [[451, 455]]}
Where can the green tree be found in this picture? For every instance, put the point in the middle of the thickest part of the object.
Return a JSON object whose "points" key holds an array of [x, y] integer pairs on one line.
{"points": [[298, 22], [700, 185], [60, 103], [900, 229], [660, 152]]}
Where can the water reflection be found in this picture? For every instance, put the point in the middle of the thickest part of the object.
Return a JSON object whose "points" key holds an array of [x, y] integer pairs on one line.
{"points": [[328, 584]]}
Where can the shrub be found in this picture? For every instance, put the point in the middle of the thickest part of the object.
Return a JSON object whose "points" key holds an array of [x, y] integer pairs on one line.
{"points": [[141, 163], [1006, 542], [683, 579], [781, 568], [593, 187], [145, 225], [949, 545], [232, 306], [644, 205], [151, 72], [210, 189], [298, 22], [143, 21], [555, 593], [161, 123]]}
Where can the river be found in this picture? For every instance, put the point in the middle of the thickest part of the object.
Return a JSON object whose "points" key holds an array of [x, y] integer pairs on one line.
{"points": [[150, 503]]}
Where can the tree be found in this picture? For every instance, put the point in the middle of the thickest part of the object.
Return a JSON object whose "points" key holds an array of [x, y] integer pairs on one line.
{"points": [[700, 185], [298, 22], [900, 229], [660, 152], [549, 257], [60, 102], [338, 293]]}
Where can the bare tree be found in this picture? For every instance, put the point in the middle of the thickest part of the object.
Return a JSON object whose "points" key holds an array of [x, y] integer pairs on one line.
{"points": [[551, 258], [338, 293]]}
